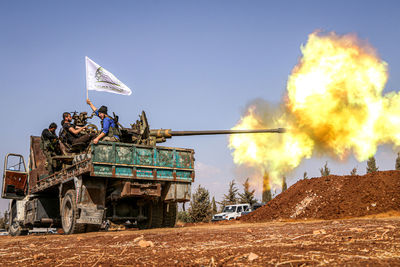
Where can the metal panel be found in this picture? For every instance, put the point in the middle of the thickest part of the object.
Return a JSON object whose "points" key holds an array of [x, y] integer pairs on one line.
{"points": [[146, 162], [183, 159], [184, 175], [124, 154], [165, 158], [178, 192]]}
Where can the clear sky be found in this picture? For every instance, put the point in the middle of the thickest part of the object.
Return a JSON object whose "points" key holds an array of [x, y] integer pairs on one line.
{"points": [[191, 65]]}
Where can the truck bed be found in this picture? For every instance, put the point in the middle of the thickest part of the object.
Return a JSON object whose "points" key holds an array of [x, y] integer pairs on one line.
{"points": [[126, 161]]}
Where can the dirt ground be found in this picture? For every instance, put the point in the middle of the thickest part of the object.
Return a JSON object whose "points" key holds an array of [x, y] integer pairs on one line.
{"points": [[334, 197], [354, 242]]}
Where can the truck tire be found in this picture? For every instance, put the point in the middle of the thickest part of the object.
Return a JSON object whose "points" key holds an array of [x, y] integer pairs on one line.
{"points": [[69, 214], [15, 229], [154, 214], [157, 215], [170, 214]]}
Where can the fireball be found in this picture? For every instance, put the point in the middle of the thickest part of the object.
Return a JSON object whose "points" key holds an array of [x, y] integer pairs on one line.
{"points": [[333, 106]]}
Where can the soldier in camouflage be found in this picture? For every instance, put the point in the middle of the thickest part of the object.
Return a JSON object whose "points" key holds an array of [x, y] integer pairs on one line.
{"points": [[50, 147]]}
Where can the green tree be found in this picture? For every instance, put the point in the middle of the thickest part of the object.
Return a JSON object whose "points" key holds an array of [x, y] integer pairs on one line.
{"points": [[213, 206], [397, 166], [266, 195], [184, 216], [247, 196], [231, 197], [6, 218], [284, 184], [371, 165], [3, 221], [325, 171], [200, 205], [353, 171], [305, 176]]}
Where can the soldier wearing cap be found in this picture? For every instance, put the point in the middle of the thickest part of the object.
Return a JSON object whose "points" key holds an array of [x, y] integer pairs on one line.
{"points": [[109, 131], [50, 146]]}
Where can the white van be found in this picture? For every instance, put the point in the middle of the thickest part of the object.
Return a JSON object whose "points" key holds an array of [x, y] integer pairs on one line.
{"points": [[231, 212]]}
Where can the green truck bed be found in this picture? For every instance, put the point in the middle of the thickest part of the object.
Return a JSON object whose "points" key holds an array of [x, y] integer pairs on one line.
{"points": [[130, 161], [122, 160]]}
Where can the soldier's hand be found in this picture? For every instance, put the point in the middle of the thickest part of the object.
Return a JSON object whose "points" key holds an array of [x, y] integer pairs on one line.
{"points": [[95, 141], [88, 101]]}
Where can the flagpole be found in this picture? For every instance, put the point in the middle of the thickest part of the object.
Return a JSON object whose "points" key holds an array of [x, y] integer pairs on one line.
{"points": [[87, 90]]}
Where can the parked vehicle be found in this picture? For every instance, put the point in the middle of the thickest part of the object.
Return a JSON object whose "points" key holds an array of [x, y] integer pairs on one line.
{"points": [[253, 208], [231, 212]]}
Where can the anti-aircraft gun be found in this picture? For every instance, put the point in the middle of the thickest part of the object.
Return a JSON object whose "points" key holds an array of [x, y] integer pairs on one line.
{"points": [[140, 132], [81, 119], [133, 180]]}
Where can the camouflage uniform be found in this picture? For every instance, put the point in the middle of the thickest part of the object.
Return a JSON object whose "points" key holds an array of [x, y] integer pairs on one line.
{"points": [[50, 147]]}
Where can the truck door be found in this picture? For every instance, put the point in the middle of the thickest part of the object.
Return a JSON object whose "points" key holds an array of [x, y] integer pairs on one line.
{"points": [[15, 177]]}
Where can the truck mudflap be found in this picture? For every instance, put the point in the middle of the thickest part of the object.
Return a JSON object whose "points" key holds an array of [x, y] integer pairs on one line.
{"points": [[179, 192], [90, 214]]}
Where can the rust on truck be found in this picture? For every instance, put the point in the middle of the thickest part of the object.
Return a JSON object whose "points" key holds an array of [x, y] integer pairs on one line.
{"points": [[134, 181]]}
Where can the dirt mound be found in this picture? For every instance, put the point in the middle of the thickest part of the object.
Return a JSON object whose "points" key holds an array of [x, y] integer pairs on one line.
{"points": [[334, 197]]}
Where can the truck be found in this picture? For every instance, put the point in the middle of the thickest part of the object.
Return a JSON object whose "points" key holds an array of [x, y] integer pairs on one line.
{"points": [[132, 181], [231, 212]]}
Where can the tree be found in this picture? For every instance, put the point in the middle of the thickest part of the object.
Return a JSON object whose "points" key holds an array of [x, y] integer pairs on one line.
{"points": [[247, 196], [6, 218], [284, 184], [266, 195], [200, 206], [231, 197], [325, 171], [3, 221], [371, 165], [213, 206], [305, 176], [184, 216], [397, 166], [353, 171]]}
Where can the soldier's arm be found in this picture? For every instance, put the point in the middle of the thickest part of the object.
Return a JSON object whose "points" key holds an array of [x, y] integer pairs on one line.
{"points": [[76, 131], [97, 139], [91, 104]]}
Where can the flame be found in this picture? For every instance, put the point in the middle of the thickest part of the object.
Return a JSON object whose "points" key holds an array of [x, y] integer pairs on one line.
{"points": [[333, 106]]}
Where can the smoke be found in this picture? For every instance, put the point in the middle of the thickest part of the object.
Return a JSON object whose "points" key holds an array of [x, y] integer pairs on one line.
{"points": [[333, 106]]}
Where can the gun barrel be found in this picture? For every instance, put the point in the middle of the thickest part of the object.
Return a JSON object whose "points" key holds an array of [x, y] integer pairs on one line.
{"points": [[168, 133]]}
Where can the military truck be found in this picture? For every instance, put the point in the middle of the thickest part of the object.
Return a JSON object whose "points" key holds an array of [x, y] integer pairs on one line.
{"points": [[133, 181]]}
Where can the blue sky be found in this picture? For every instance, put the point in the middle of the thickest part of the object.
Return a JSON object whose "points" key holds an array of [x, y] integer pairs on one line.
{"points": [[191, 65]]}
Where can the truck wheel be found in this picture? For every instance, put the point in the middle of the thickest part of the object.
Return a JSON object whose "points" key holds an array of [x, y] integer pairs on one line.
{"points": [[69, 214], [147, 213], [154, 214], [170, 214], [157, 215], [15, 229]]}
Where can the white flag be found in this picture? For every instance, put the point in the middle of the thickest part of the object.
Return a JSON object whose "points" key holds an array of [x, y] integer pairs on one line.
{"points": [[100, 79]]}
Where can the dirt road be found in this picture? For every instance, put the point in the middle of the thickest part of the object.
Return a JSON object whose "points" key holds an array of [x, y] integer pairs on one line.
{"points": [[354, 242]]}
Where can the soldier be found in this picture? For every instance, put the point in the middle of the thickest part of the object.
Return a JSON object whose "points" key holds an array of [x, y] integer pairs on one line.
{"points": [[72, 134], [50, 146], [109, 131]]}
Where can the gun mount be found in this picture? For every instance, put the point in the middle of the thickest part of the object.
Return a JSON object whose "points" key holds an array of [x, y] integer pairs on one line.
{"points": [[140, 132], [81, 120]]}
